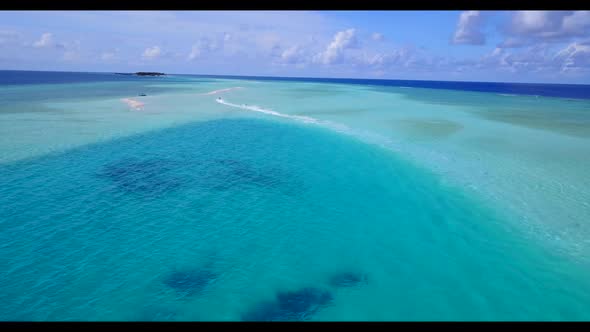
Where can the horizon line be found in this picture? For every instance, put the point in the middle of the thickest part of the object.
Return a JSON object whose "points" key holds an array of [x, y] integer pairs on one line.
{"points": [[302, 77]]}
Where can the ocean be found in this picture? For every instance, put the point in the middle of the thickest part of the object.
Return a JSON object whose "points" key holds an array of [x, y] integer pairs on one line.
{"points": [[208, 198]]}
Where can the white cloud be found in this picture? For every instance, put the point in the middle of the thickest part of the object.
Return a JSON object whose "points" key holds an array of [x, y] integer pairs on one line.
{"points": [[267, 41], [539, 58], [277, 42], [534, 20], [267, 36], [46, 40], [333, 53], [107, 56], [195, 52], [70, 55], [152, 52], [512, 42], [206, 45], [468, 29], [575, 56], [550, 25], [578, 22], [293, 55], [72, 50], [377, 36], [408, 59], [381, 60], [7, 36]]}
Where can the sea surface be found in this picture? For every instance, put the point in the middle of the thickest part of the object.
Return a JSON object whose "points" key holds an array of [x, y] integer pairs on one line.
{"points": [[254, 198]]}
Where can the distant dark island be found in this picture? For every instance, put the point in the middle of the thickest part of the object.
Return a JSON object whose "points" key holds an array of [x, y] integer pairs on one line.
{"points": [[143, 73]]}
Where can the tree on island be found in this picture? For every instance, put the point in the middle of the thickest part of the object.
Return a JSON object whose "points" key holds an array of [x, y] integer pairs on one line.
{"points": [[143, 73], [147, 73]]}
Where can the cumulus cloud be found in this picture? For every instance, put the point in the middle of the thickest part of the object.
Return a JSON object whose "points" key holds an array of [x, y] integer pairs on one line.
{"points": [[152, 52], [511, 42], [528, 26], [71, 50], [377, 36], [7, 36], [382, 60], [107, 56], [333, 53], [576, 56], [277, 43], [293, 55], [538, 58], [404, 59], [267, 41], [195, 52], [70, 55], [205, 45], [46, 40], [468, 29], [499, 58]]}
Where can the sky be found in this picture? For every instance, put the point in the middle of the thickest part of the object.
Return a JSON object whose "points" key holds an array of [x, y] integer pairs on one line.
{"points": [[497, 46]]}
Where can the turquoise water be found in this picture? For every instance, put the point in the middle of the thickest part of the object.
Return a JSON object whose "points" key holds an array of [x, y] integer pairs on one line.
{"points": [[329, 209]]}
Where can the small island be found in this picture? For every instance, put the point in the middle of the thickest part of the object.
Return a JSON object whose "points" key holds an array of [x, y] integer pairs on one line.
{"points": [[143, 73]]}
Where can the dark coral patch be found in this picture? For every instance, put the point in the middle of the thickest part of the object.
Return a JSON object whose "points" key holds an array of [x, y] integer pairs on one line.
{"points": [[228, 173], [190, 282], [153, 177], [303, 301], [348, 279], [142, 176], [264, 312], [291, 305]]}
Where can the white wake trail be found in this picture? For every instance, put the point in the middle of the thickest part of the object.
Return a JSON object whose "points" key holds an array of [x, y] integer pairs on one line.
{"points": [[305, 119], [222, 90], [341, 128]]}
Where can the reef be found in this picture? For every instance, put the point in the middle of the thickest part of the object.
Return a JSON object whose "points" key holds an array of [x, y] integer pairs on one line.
{"points": [[148, 177], [348, 279], [190, 282], [291, 305]]}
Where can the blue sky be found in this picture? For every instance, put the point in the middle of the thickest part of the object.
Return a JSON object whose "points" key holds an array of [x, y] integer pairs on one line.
{"points": [[511, 46]]}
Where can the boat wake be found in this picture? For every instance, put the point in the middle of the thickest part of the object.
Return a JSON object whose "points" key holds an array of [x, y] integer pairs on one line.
{"points": [[365, 136], [305, 119], [222, 90]]}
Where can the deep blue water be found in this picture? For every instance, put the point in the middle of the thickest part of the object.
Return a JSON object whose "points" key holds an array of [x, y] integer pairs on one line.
{"points": [[25, 88], [17, 77], [577, 91], [20, 77]]}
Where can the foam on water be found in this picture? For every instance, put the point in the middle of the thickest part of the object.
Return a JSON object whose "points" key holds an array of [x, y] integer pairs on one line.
{"points": [[304, 119], [338, 127], [222, 90]]}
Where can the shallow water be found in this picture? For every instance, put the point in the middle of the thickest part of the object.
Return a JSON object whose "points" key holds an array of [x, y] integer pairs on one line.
{"points": [[353, 204]]}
